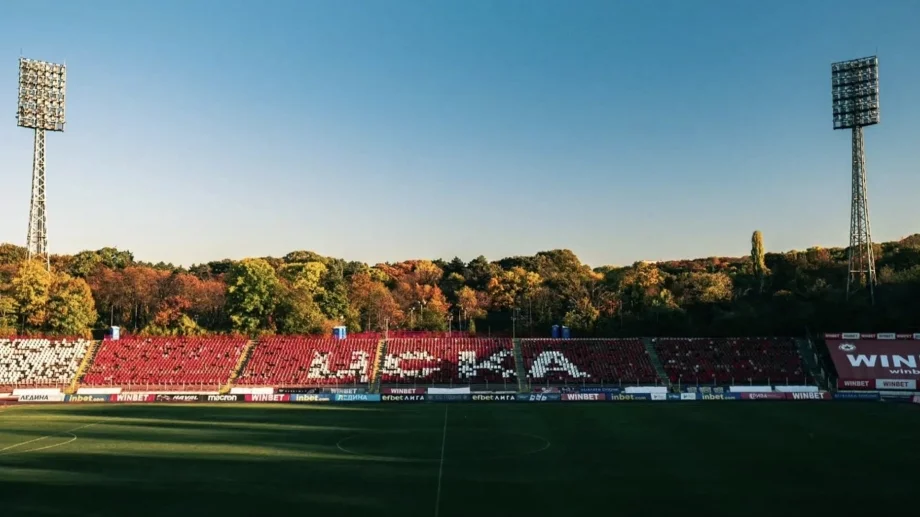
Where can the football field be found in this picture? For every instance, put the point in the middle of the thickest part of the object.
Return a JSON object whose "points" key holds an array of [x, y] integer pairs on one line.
{"points": [[708, 458]]}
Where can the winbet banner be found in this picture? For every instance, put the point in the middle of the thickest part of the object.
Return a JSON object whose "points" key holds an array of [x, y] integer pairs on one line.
{"points": [[876, 364]]}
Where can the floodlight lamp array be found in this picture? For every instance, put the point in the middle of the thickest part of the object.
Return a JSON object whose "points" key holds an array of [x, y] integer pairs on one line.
{"points": [[854, 89], [42, 88]]}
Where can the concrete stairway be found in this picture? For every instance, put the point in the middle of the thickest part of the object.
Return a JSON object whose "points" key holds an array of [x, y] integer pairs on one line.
{"points": [[656, 361]]}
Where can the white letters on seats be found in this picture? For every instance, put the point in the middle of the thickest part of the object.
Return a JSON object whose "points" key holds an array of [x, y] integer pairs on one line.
{"points": [[469, 368], [391, 364], [554, 361], [319, 366]]}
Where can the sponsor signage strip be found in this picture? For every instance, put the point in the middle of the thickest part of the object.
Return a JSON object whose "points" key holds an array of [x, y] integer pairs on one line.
{"points": [[88, 398], [483, 397], [870, 336], [421, 397], [584, 397], [856, 396], [539, 397], [402, 391], [356, 397]]}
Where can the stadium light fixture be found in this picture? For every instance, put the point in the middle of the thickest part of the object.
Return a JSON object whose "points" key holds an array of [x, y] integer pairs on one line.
{"points": [[42, 92], [42, 88], [854, 87], [855, 95]]}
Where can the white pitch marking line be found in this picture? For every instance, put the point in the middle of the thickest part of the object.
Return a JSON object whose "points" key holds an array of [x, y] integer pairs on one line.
{"points": [[69, 431], [437, 504]]}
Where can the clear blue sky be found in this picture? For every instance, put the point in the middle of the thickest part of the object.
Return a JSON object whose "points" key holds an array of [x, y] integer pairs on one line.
{"points": [[386, 130]]}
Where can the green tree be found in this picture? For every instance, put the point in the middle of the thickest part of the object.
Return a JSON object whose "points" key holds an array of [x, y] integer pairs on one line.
{"points": [[757, 259], [31, 291], [333, 299], [85, 263], [298, 313], [71, 309], [252, 289], [7, 314]]}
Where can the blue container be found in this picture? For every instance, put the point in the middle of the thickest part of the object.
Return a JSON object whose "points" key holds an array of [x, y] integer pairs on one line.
{"points": [[566, 333], [555, 332], [115, 332], [339, 332]]}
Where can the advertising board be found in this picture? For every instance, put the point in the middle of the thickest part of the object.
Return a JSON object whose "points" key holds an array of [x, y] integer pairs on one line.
{"points": [[610, 389], [497, 397], [225, 398], [298, 397], [180, 398], [420, 397], [617, 397], [278, 397], [288, 391], [87, 398], [896, 384], [854, 384], [856, 396], [720, 396], [345, 391], [584, 397], [403, 391], [356, 397], [450, 397], [809, 395], [763, 396], [539, 397], [867, 358], [41, 397], [133, 397]]}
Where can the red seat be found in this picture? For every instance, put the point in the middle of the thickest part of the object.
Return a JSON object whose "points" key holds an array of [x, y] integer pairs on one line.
{"points": [[204, 363], [297, 361], [724, 361]]}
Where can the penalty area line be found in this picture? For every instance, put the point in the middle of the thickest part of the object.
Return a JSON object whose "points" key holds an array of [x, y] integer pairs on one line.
{"points": [[69, 431], [437, 503]]}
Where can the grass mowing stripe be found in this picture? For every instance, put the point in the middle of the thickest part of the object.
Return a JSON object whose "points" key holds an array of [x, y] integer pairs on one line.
{"points": [[437, 504]]}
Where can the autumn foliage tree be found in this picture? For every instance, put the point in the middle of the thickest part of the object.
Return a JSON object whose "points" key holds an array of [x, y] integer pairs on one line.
{"points": [[306, 293]]}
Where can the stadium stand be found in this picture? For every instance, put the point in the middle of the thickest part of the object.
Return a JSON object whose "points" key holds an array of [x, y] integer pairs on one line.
{"points": [[731, 360], [448, 361], [587, 361], [293, 361], [165, 363], [35, 362]]}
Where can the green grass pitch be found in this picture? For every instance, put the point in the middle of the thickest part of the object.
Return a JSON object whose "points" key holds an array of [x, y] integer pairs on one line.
{"points": [[471, 460]]}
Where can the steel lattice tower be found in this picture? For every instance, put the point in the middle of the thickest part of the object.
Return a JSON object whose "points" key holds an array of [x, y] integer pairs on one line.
{"points": [[861, 257], [42, 89], [37, 237], [854, 87]]}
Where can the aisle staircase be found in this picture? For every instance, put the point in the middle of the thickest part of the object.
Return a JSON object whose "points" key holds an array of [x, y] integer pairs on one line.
{"points": [[84, 365], [240, 366], [810, 357], [520, 367], [374, 384], [656, 361]]}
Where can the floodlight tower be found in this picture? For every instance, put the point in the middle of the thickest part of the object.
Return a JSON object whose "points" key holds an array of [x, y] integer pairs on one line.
{"points": [[41, 108], [854, 87]]}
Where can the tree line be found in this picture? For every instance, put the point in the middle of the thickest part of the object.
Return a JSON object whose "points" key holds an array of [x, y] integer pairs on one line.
{"points": [[761, 294]]}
